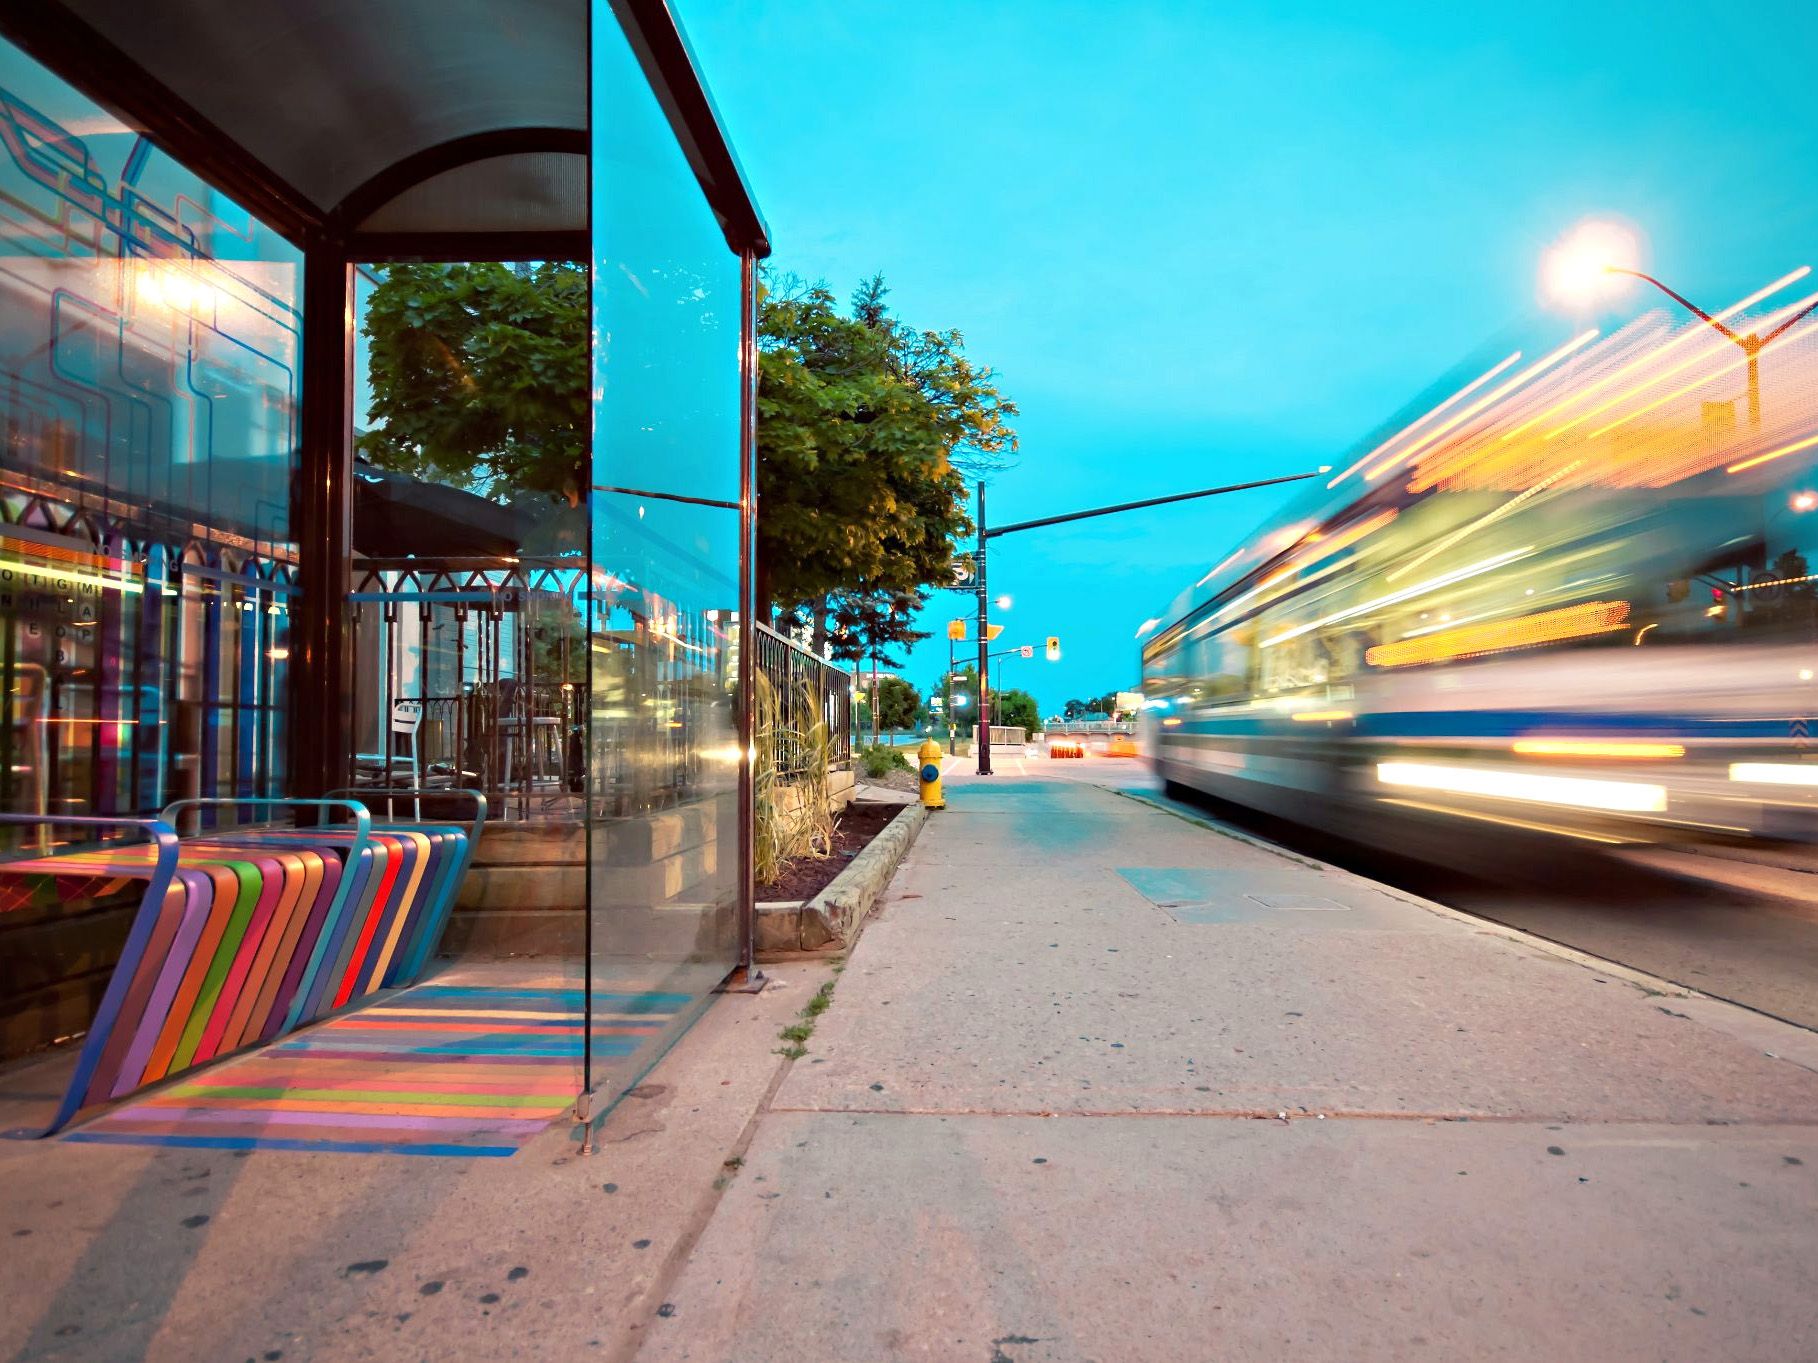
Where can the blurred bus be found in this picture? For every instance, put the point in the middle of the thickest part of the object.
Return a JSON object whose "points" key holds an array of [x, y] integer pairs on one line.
{"points": [[1574, 600]]}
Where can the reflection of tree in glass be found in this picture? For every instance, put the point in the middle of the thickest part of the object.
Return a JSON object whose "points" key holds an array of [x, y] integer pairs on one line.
{"points": [[479, 377]]}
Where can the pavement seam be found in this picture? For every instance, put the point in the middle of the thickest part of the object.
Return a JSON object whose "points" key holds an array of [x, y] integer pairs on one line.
{"points": [[1267, 1115]]}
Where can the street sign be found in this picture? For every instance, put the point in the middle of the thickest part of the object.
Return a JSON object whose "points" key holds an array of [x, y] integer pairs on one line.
{"points": [[992, 631], [1027, 650]]}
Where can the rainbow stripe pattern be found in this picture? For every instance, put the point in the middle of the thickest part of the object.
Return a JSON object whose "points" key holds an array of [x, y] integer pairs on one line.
{"points": [[453, 1069], [242, 937]]}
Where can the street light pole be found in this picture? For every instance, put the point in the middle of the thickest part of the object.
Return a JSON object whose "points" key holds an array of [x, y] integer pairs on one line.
{"points": [[981, 727], [1752, 344], [984, 632], [952, 728]]}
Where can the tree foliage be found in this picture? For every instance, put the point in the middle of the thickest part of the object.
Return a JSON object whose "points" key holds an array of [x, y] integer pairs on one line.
{"points": [[898, 703], [864, 427], [1104, 706], [870, 628], [480, 376], [1012, 706], [1016, 707], [868, 428]]}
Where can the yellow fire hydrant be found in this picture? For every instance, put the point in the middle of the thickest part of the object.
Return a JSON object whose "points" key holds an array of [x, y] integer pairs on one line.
{"points": [[928, 759]]}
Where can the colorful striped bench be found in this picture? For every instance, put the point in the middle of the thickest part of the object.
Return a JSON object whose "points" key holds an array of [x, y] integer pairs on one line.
{"points": [[243, 934]]}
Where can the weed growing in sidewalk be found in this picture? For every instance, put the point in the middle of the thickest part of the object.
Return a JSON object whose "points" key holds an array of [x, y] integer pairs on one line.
{"points": [[797, 1033]]}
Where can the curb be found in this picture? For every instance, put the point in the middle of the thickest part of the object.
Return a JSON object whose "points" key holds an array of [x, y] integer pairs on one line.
{"points": [[831, 921]]}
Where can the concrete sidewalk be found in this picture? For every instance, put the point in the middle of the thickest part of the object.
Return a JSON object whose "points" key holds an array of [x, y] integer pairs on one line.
{"points": [[118, 1253], [1105, 1083]]}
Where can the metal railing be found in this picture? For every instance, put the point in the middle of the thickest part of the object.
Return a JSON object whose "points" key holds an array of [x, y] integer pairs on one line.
{"points": [[805, 687], [1089, 726], [491, 653]]}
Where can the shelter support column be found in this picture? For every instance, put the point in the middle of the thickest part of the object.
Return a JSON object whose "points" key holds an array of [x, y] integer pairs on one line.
{"points": [[748, 609], [321, 676]]}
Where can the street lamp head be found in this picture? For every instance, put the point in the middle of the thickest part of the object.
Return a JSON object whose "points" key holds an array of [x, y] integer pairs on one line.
{"points": [[1589, 264], [1003, 603], [1804, 501]]}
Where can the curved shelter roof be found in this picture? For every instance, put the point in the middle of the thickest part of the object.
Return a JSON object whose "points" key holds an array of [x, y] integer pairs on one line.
{"points": [[456, 128]]}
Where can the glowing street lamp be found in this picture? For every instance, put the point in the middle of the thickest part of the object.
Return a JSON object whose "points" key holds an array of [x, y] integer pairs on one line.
{"points": [[1586, 264], [1595, 259]]}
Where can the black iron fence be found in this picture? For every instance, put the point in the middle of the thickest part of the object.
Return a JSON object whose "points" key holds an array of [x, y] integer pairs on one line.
{"points": [[802, 689], [471, 673]]}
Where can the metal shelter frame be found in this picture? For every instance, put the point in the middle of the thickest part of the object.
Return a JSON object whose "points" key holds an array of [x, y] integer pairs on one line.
{"points": [[161, 70]]}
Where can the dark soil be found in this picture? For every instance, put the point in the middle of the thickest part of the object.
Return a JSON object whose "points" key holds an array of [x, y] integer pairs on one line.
{"points": [[806, 877]]}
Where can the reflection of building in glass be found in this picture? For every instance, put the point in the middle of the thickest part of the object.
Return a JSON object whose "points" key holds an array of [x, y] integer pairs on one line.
{"points": [[149, 347]]}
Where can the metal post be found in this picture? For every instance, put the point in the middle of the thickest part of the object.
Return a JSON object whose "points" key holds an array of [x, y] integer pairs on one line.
{"points": [[947, 709], [748, 643], [982, 726], [321, 673]]}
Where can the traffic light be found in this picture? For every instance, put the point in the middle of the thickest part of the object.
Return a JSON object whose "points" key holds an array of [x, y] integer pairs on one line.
{"points": [[956, 631], [992, 631], [1054, 648]]}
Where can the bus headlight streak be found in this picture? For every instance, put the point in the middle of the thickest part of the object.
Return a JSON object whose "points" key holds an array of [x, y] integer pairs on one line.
{"points": [[1564, 747], [1571, 792], [1775, 773]]}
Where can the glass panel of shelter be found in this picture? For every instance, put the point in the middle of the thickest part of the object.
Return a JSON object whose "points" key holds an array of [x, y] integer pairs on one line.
{"points": [[149, 335], [663, 752]]}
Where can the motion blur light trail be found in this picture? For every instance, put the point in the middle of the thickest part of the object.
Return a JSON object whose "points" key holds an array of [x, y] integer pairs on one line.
{"points": [[1555, 575]]}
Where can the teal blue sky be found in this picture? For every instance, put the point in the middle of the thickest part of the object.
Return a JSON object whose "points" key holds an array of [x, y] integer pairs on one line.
{"points": [[1207, 243]]}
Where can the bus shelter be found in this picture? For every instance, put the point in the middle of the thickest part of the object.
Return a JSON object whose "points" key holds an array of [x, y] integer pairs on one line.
{"points": [[207, 594]]}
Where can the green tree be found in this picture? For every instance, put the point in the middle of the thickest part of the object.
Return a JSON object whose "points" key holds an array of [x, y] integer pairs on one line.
{"points": [[480, 377], [898, 703], [973, 416], [1016, 707], [870, 628], [1008, 707], [864, 427]]}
